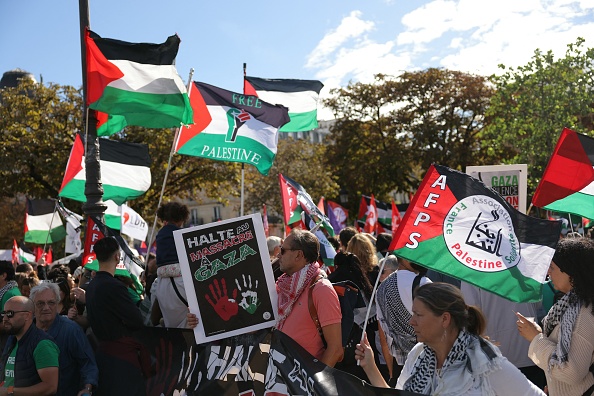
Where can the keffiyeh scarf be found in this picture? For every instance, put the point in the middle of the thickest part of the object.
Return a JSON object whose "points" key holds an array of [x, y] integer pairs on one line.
{"points": [[290, 287], [394, 318], [7, 287], [564, 313], [466, 367]]}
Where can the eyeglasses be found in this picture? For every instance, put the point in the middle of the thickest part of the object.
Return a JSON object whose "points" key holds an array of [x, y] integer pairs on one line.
{"points": [[283, 250], [10, 313], [41, 304]]}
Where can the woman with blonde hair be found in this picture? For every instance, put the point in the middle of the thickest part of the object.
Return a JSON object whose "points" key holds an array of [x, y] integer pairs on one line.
{"points": [[361, 246]]}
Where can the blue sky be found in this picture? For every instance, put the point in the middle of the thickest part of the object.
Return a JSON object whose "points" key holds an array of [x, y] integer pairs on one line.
{"points": [[330, 40]]}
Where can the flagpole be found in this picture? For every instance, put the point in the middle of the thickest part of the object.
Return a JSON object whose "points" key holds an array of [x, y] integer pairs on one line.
{"points": [[381, 269], [50, 227], [242, 164], [171, 152], [94, 205], [242, 176]]}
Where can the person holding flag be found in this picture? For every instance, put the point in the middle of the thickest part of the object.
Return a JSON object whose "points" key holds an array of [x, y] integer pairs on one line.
{"points": [[451, 357]]}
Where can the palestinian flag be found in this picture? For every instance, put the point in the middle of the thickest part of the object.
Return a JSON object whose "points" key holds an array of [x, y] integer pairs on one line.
{"points": [[384, 214], [232, 127], [125, 171], [567, 184], [113, 215], [299, 96], [327, 252], [108, 124], [291, 189], [137, 81], [458, 226], [43, 224], [291, 208]]}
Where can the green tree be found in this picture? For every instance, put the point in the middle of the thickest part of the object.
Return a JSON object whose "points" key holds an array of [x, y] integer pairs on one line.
{"points": [[388, 132], [534, 102], [38, 124], [442, 111], [300, 160]]}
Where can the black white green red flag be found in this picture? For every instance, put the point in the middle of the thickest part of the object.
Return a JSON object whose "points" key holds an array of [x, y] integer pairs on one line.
{"points": [[43, 224], [299, 96], [293, 190], [232, 127], [125, 171], [567, 184], [458, 226], [137, 81]]}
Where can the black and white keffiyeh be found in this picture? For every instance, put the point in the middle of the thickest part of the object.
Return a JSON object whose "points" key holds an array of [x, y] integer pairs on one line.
{"points": [[424, 369], [9, 285], [394, 318], [564, 313]]}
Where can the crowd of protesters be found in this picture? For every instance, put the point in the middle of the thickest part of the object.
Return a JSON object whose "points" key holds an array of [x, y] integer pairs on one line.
{"points": [[67, 330]]}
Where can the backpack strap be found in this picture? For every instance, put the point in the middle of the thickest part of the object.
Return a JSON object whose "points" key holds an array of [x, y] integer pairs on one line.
{"points": [[312, 308], [415, 284], [178, 293]]}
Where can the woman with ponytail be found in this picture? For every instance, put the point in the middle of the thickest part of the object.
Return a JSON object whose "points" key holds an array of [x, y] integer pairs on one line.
{"points": [[451, 357]]}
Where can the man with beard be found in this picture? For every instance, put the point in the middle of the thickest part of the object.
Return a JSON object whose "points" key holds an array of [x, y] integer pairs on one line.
{"points": [[29, 363]]}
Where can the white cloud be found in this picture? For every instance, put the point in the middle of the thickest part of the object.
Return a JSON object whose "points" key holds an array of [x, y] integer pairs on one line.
{"points": [[350, 27], [474, 36]]}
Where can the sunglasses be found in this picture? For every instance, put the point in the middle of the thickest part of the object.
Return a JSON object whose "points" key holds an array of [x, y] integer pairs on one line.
{"points": [[10, 313], [283, 250]]}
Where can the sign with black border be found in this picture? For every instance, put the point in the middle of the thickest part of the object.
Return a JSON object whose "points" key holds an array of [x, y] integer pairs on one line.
{"points": [[228, 277]]}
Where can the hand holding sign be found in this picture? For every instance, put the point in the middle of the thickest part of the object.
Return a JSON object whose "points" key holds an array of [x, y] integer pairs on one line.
{"points": [[249, 302], [224, 306]]}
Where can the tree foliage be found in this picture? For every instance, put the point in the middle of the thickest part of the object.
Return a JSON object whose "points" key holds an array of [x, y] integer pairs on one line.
{"points": [[300, 160], [38, 124], [388, 132], [534, 102]]}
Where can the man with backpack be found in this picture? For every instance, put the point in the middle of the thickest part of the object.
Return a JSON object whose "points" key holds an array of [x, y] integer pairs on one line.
{"points": [[298, 261]]}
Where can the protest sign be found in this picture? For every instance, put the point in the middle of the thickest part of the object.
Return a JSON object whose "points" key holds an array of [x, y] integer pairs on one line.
{"points": [[510, 181], [228, 277]]}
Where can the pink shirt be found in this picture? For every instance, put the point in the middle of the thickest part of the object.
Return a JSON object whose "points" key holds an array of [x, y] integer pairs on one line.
{"points": [[300, 326]]}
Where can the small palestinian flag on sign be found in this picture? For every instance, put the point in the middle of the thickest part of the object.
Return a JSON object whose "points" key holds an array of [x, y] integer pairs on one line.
{"points": [[567, 184], [458, 226]]}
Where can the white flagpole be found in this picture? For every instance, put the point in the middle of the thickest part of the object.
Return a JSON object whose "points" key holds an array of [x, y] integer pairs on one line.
{"points": [[371, 300], [242, 176], [175, 138]]}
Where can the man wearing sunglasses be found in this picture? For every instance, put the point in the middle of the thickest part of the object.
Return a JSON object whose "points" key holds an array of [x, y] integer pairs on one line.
{"points": [[298, 260], [29, 364]]}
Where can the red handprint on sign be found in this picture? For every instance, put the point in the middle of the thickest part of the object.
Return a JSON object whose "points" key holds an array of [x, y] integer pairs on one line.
{"points": [[224, 306]]}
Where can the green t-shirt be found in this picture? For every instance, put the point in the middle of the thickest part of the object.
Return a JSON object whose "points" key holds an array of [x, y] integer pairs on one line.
{"points": [[46, 354], [10, 293]]}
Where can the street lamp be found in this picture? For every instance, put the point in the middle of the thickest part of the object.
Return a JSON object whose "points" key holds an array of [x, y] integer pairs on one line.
{"points": [[343, 196]]}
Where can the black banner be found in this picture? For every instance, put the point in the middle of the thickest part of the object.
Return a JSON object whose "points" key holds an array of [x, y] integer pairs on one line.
{"points": [[262, 363]]}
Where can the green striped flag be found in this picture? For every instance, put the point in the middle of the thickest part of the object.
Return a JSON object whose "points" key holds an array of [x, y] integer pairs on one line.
{"points": [[137, 81], [232, 127], [125, 171], [567, 184], [299, 96], [458, 226], [42, 222]]}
